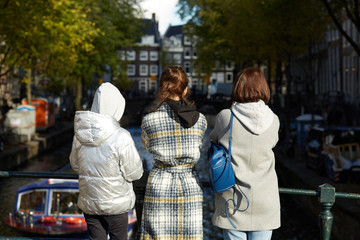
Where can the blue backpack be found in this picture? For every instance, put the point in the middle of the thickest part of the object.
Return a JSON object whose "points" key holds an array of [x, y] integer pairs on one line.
{"points": [[222, 177]]}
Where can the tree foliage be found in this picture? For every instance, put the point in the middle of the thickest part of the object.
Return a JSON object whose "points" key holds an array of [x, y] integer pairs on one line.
{"points": [[65, 41], [45, 35], [253, 31]]}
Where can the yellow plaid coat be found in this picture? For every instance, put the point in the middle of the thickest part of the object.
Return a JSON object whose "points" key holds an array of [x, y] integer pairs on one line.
{"points": [[173, 199]]}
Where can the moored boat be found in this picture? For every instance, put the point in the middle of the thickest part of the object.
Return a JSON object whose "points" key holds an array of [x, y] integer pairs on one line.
{"points": [[49, 208]]}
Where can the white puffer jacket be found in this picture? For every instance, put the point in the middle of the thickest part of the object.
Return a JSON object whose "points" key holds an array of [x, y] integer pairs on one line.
{"points": [[105, 157]]}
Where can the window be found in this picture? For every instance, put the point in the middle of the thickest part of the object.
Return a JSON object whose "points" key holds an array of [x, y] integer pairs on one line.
{"points": [[143, 85], [175, 42], [167, 42], [131, 55], [177, 58], [121, 54], [153, 70], [187, 40], [187, 53], [143, 70], [143, 55], [64, 202], [154, 56], [153, 85], [187, 67], [220, 77], [213, 78], [229, 77], [229, 66], [147, 40], [34, 200], [131, 70]]}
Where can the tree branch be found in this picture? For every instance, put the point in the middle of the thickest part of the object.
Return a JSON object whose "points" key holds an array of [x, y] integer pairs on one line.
{"points": [[6, 3], [5, 56], [353, 13], [356, 14], [340, 28], [6, 72], [347, 10]]}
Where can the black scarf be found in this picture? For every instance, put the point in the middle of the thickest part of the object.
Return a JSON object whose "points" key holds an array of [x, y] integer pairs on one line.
{"points": [[187, 113]]}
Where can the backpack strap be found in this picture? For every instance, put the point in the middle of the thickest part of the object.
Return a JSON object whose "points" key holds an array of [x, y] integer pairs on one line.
{"points": [[233, 202], [232, 199], [230, 137]]}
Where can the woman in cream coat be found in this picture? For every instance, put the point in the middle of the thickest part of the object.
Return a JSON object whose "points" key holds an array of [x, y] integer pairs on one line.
{"points": [[255, 133]]}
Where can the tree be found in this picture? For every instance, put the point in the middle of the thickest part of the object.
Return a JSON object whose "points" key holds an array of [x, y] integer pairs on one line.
{"points": [[118, 26], [253, 32], [66, 41], [44, 36]]}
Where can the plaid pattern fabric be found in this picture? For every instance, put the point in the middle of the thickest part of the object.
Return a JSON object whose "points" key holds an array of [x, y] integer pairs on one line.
{"points": [[173, 198]]}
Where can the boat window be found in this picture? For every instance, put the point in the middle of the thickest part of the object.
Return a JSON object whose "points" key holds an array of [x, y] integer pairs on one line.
{"points": [[34, 200], [65, 201]]}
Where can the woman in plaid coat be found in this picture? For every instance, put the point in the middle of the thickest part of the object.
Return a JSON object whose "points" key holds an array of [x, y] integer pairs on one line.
{"points": [[173, 133]]}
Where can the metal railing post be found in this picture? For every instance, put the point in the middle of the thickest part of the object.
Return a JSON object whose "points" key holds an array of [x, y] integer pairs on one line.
{"points": [[326, 199]]}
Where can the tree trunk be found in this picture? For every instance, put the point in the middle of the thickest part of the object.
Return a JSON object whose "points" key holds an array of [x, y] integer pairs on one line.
{"points": [[78, 95], [278, 84], [28, 86], [288, 105], [31, 79], [269, 75]]}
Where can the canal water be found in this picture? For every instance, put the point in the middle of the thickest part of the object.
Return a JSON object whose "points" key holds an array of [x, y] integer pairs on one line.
{"points": [[296, 222]]}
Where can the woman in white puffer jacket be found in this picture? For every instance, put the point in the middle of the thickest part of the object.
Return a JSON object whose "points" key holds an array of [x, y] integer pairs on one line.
{"points": [[107, 161]]}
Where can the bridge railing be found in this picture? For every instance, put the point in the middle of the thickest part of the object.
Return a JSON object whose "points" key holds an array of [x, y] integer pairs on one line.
{"points": [[326, 195]]}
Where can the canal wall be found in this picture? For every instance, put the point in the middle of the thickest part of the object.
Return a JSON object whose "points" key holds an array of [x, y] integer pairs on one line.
{"points": [[293, 173], [15, 155]]}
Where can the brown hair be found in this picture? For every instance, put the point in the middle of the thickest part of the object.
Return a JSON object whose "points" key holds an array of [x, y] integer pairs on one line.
{"points": [[251, 86], [173, 82]]}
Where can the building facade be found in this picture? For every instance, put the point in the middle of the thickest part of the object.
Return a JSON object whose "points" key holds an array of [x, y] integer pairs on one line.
{"points": [[179, 48], [153, 53], [331, 73], [143, 60]]}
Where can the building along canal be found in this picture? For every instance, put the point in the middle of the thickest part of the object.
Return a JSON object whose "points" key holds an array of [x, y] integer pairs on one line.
{"points": [[297, 222]]}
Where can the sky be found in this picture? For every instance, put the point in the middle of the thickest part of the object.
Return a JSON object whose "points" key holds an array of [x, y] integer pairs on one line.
{"points": [[165, 11]]}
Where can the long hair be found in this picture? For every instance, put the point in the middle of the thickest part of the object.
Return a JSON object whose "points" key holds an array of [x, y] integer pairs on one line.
{"points": [[251, 86], [173, 82]]}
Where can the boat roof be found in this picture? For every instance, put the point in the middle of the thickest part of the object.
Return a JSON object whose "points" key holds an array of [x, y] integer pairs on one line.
{"points": [[51, 184]]}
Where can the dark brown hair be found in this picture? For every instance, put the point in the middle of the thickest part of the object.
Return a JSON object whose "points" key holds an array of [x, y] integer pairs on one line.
{"points": [[251, 86], [173, 82]]}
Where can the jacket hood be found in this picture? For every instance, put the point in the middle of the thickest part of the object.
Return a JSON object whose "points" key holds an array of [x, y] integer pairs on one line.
{"points": [[108, 101], [92, 129], [256, 116], [186, 112]]}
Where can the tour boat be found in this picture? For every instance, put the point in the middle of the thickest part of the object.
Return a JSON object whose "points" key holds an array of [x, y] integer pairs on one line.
{"points": [[49, 208], [335, 152]]}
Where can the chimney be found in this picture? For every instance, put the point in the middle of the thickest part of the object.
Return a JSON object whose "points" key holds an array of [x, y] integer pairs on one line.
{"points": [[153, 17]]}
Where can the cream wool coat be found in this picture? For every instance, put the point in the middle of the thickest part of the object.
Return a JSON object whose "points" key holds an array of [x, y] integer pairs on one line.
{"points": [[255, 133]]}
